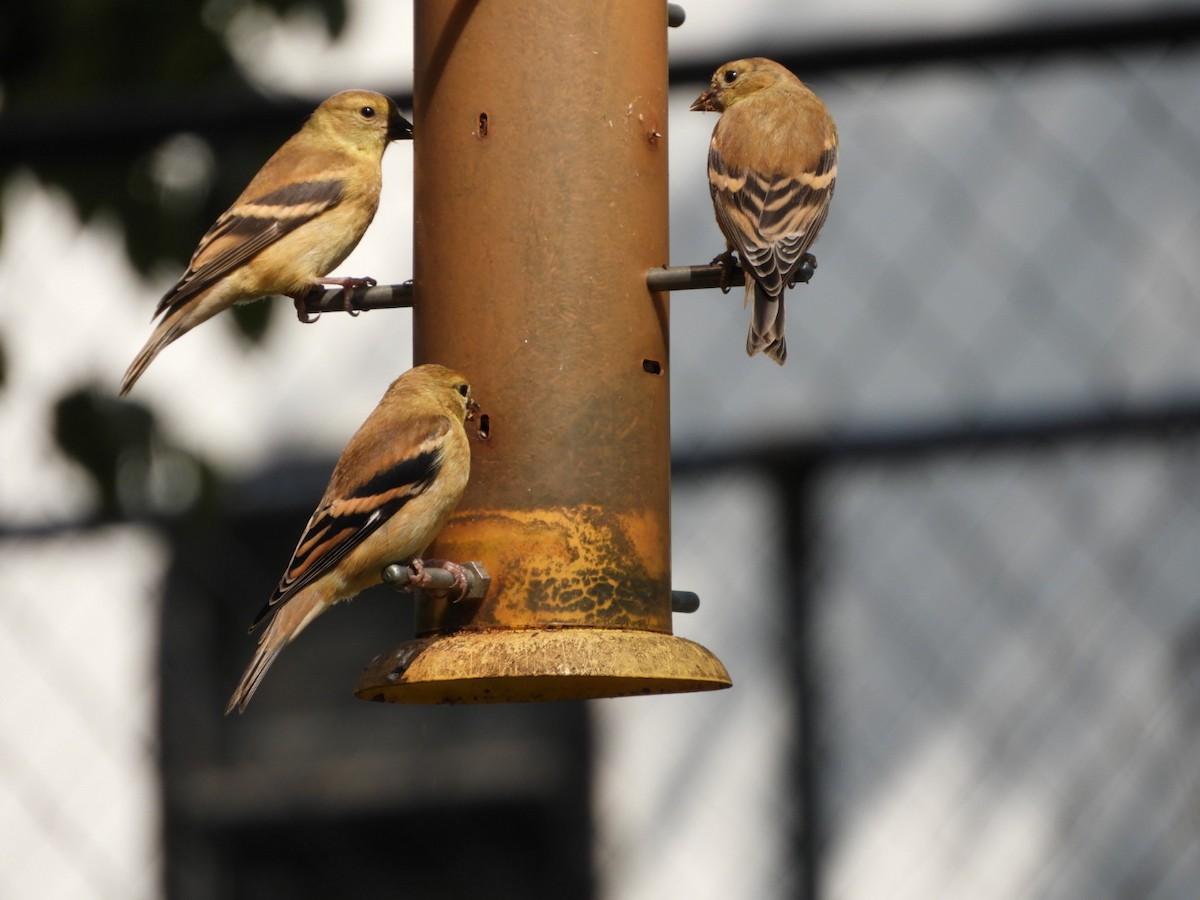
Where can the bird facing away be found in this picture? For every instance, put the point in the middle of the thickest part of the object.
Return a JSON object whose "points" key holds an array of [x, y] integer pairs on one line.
{"points": [[396, 482], [772, 163], [299, 217]]}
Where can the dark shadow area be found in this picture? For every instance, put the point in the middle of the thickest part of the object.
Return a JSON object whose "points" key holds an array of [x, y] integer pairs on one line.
{"points": [[312, 793]]}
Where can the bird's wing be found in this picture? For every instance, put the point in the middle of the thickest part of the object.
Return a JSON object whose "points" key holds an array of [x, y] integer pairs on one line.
{"points": [[246, 229], [360, 500], [772, 219]]}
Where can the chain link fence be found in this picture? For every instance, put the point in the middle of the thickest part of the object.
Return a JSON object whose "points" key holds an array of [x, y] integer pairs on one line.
{"points": [[1006, 697], [957, 591], [79, 792]]}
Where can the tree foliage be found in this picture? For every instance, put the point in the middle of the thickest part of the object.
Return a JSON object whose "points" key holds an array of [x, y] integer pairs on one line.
{"points": [[94, 92], [123, 104]]}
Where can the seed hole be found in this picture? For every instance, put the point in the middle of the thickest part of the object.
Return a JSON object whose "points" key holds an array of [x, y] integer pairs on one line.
{"points": [[485, 427], [652, 366], [483, 124]]}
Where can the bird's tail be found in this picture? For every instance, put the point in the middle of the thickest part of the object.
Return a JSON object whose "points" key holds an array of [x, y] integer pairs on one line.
{"points": [[766, 323], [167, 331], [289, 620]]}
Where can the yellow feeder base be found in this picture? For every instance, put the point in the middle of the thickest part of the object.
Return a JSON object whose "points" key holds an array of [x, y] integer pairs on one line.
{"points": [[520, 665]]}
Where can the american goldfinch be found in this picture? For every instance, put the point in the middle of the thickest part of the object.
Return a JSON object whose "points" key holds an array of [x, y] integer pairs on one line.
{"points": [[391, 491], [299, 217], [772, 163]]}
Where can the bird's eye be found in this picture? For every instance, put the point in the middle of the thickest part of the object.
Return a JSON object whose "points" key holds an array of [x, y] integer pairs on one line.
{"points": [[464, 389], [368, 112], [731, 76]]}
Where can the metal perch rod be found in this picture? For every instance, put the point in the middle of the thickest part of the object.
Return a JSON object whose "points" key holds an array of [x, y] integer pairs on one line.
{"points": [[440, 579], [666, 278]]}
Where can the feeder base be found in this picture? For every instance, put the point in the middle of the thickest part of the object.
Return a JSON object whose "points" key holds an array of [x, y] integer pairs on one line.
{"points": [[519, 665]]}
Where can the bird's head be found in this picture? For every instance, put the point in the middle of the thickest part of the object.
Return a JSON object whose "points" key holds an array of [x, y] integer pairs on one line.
{"points": [[441, 386], [737, 80], [365, 118]]}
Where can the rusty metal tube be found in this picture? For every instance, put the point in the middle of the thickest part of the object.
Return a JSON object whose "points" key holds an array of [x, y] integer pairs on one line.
{"points": [[540, 202]]}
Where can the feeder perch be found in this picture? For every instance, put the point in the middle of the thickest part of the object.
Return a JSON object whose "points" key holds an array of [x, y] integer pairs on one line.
{"points": [[540, 200]]}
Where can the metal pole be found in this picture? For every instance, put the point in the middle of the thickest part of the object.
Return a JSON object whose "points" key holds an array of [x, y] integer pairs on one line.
{"points": [[540, 204]]}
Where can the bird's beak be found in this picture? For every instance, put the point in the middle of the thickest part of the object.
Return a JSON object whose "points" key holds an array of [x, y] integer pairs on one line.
{"points": [[706, 102], [399, 128]]}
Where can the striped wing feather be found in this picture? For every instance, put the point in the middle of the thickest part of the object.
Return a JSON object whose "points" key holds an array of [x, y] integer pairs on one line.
{"points": [[245, 230], [351, 512], [771, 219]]}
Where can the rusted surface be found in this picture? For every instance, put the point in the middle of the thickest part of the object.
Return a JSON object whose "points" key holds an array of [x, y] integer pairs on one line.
{"points": [[540, 202], [533, 236], [581, 566], [524, 665]]}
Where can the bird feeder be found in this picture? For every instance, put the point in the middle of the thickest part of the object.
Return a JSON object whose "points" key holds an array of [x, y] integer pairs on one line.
{"points": [[540, 204]]}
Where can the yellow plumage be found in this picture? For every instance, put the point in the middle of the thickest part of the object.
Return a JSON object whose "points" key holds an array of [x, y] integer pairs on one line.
{"points": [[299, 218], [399, 478]]}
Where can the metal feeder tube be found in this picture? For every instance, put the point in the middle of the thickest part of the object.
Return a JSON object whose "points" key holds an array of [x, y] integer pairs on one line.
{"points": [[540, 204]]}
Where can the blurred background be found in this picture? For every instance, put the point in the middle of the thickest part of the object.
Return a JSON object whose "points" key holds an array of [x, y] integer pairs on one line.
{"points": [[949, 553]]}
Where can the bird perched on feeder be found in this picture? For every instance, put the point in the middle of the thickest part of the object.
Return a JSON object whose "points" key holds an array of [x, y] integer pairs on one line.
{"points": [[299, 217], [397, 481], [772, 163]]}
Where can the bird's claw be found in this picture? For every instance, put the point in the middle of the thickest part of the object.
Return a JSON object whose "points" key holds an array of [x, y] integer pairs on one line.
{"points": [[301, 301], [726, 262], [804, 271], [419, 577], [424, 581], [349, 285]]}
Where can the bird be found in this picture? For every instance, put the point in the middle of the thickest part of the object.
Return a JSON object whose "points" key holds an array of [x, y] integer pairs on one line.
{"points": [[391, 491], [772, 164], [298, 219]]}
